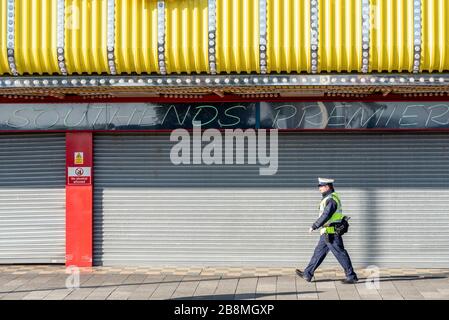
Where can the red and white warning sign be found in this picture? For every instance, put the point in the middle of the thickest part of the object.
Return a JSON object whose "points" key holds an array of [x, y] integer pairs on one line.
{"points": [[79, 175]]}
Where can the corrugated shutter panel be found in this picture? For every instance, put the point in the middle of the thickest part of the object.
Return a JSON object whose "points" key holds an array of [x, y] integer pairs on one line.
{"points": [[150, 212], [32, 198]]}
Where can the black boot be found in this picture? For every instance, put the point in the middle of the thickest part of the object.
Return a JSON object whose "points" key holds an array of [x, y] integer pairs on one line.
{"points": [[350, 281], [302, 275]]}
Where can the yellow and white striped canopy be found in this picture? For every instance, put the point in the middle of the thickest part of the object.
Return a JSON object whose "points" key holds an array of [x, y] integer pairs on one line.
{"points": [[239, 36]]}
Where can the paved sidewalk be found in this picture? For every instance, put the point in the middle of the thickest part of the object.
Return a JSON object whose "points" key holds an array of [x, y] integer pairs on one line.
{"points": [[100, 283]]}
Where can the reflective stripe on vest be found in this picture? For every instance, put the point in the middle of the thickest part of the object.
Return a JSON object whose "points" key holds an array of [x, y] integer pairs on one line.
{"points": [[337, 216]]}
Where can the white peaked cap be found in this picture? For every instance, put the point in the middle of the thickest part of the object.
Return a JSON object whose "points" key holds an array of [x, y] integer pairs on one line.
{"points": [[324, 181]]}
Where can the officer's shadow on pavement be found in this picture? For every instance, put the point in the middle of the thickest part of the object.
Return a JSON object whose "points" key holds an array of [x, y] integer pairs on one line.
{"points": [[247, 296], [393, 278]]}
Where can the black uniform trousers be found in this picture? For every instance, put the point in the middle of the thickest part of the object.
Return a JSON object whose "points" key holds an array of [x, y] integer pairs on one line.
{"points": [[336, 246]]}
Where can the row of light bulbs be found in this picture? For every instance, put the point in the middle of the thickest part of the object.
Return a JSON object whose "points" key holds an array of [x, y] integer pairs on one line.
{"points": [[212, 81], [256, 95]]}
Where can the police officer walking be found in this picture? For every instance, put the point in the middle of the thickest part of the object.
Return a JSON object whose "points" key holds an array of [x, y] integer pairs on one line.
{"points": [[330, 221]]}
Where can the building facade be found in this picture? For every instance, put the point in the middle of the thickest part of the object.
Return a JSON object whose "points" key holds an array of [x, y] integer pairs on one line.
{"points": [[90, 92]]}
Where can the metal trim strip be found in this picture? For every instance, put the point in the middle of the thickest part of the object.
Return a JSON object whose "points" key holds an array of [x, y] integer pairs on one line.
{"points": [[111, 37], [161, 37], [417, 35], [10, 45], [314, 35]]}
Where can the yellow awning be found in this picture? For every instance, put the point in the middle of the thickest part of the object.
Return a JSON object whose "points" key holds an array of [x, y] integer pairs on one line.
{"points": [[85, 36], [4, 68], [35, 36], [237, 41]]}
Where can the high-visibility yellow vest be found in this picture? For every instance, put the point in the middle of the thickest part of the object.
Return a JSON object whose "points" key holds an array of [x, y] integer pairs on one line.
{"points": [[337, 216]]}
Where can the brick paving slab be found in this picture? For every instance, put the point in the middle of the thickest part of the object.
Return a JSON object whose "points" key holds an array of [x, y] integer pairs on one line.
{"points": [[145, 290], [407, 290], [206, 288], [81, 292], [111, 283], [87, 286], [45, 289], [286, 288], [226, 288], [306, 290], [5, 278], [266, 288], [168, 270], [347, 291], [37, 295], [328, 290], [127, 287], [367, 292], [88, 283], [22, 290], [388, 291], [166, 288], [442, 287], [429, 288], [8, 288], [444, 292], [36, 284], [431, 295], [186, 288], [60, 291], [246, 288]]}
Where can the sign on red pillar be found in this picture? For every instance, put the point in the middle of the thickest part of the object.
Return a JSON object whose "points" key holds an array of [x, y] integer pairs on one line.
{"points": [[79, 171], [79, 206]]}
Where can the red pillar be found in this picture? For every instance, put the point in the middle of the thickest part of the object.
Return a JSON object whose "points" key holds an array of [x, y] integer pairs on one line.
{"points": [[79, 206]]}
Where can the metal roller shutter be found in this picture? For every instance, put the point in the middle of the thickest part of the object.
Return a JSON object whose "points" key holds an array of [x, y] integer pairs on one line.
{"points": [[32, 198], [150, 212]]}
